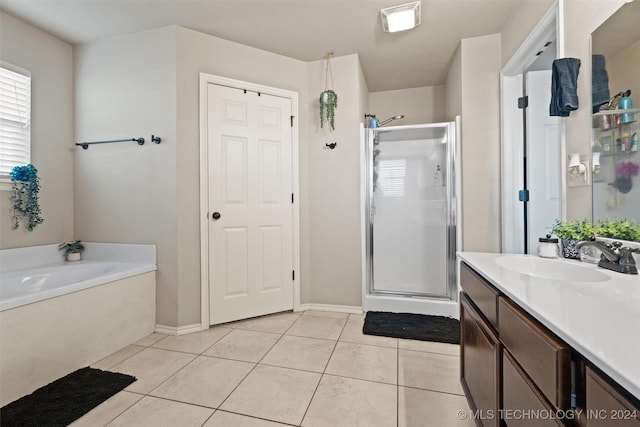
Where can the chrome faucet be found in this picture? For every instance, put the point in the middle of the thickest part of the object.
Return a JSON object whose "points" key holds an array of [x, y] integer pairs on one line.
{"points": [[614, 257]]}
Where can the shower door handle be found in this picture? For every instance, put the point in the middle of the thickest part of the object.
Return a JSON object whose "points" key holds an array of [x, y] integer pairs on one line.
{"points": [[216, 216]]}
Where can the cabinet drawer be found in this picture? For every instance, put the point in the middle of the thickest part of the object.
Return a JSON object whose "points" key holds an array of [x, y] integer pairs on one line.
{"points": [[483, 295], [521, 401], [545, 358], [480, 352], [606, 406]]}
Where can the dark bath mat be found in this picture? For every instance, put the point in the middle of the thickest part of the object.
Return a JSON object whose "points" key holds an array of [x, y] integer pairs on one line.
{"points": [[65, 400], [412, 326]]}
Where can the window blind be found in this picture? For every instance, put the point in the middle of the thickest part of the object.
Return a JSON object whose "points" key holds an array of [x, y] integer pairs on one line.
{"points": [[15, 119]]}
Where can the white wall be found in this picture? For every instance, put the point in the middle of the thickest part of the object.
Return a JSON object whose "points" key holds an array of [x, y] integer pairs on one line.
{"points": [[623, 72], [125, 87], [198, 52], [332, 207], [50, 62], [453, 86], [419, 105], [522, 20], [480, 147], [148, 83], [472, 90]]}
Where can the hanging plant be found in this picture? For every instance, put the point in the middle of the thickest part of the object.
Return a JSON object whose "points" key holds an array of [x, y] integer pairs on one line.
{"points": [[328, 98], [328, 105], [24, 196]]}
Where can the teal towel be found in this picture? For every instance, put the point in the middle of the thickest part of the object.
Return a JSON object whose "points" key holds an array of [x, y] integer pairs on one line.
{"points": [[599, 82], [564, 86]]}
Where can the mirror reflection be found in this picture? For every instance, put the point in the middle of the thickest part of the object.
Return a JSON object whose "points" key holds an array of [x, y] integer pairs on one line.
{"points": [[616, 129]]}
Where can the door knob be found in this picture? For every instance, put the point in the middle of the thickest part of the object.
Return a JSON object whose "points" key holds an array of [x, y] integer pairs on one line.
{"points": [[216, 215]]}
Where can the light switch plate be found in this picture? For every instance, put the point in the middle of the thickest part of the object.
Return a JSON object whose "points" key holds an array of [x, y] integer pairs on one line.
{"points": [[580, 180]]}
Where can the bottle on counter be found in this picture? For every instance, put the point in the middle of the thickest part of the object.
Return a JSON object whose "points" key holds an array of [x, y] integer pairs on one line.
{"points": [[548, 247]]}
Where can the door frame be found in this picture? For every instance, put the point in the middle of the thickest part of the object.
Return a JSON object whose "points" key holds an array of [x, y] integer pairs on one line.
{"points": [[511, 118], [205, 80]]}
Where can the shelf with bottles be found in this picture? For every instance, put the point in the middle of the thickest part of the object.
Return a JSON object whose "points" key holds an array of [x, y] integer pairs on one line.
{"points": [[609, 120], [617, 112], [616, 133]]}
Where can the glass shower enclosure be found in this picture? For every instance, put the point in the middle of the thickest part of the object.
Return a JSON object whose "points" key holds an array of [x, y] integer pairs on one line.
{"points": [[410, 219]]}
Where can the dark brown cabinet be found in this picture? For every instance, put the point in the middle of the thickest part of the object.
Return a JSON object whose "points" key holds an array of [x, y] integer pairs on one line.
{"points": [[516, 372], [606, 406], [483, 295], [481, 349], [546, 359], [521, 397]]}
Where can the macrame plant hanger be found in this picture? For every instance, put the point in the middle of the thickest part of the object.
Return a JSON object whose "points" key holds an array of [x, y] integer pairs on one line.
{"points": [[328, 98], [328, 75]]}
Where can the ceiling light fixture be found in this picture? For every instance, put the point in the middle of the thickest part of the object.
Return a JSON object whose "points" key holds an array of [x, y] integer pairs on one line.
{"points": [[400, 18]]}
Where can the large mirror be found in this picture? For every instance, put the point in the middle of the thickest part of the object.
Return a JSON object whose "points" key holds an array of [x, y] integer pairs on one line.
{"points": [[616, 124]]}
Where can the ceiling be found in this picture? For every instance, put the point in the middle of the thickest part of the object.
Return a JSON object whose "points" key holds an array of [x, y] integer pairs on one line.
{"points": [[302, 29]]}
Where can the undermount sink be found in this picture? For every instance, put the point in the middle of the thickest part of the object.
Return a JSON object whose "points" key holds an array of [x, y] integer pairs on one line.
{"points": [[551, 269]]}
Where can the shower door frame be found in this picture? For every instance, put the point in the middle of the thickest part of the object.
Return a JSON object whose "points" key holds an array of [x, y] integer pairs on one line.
{"points": [[450, 217]]}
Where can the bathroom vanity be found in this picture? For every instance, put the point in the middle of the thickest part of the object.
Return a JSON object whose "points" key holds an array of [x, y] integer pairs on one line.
{"points": [[548, 342]]}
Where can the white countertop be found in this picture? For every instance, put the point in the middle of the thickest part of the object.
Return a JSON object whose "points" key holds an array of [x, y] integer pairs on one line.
{"points": [[601, 320]]}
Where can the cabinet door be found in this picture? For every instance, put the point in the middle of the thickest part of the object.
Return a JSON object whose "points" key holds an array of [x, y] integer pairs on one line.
{"points": [[483, 295], [545, 358], [521, 399], [606, 406], [479, 364]]}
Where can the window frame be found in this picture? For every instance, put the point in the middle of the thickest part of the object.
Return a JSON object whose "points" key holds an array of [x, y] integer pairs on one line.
{"points": [[5, 180]]}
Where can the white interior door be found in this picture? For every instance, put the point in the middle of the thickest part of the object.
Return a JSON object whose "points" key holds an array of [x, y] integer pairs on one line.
{"points": [[544, 159], [250, 204]]}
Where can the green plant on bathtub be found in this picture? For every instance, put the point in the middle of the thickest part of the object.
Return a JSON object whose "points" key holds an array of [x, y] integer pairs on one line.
{"points": [[71, 248], [24, 196]]}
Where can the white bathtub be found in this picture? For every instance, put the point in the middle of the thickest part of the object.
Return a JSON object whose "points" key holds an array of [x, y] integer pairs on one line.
{"points": [[22, 287], [56, 316]]}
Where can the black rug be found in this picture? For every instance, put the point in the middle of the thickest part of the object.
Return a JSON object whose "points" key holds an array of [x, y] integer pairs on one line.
{"points": [[64, 400], [412, 326]]}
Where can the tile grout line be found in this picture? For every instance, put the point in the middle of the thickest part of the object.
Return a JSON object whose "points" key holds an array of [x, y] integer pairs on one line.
{"points": [[121, 412], [324, 371], [148, 394], [123, 390], [197, 355], [434, 391], [121, 361], [256, 364], [209, 417], [345, 322], [254, 417]]}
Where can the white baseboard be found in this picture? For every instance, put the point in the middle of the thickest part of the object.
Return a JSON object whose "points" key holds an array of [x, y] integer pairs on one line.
{"points": [[179, 330], [330, 307]]}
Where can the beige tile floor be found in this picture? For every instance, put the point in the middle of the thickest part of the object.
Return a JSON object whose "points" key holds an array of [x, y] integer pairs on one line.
{"points": [[302, 369]]}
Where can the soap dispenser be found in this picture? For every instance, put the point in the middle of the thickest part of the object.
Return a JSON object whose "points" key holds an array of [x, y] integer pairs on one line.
{"points": [[548, 247]]}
